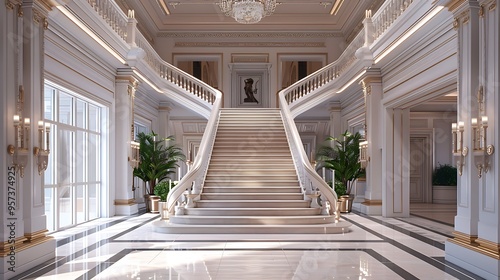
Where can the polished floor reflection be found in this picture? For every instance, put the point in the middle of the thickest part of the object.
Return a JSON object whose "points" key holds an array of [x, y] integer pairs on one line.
{"points": [[375, 248]]}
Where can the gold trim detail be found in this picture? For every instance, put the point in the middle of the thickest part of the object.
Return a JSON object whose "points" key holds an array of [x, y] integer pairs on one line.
{"points": [[456, 24], [20, 12], [454, 4], [47, 4], [373, 202], [130, 201], [481, 10], [471, 242], [45, 23], [35, 235], [9, 5], [250, 57], [491, 248], [466, 16], [305, 35], [492, 7], [5, 246], [37, 17]]}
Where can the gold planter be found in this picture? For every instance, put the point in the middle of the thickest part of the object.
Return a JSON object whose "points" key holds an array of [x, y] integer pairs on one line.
{"points": [[152, 203], [346, 203]]}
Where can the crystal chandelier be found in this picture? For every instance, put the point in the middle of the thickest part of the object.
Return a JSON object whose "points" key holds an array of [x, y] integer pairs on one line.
{"points": [[247, 11]]}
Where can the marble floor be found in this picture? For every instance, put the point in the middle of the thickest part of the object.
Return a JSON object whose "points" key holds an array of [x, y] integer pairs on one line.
{"points": [[127, 248]]}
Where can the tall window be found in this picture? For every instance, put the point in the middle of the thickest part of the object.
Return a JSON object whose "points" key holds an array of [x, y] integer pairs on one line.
{"points": [[73, 178]]}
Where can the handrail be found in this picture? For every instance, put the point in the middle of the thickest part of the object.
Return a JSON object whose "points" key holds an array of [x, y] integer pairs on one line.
{"points": [[326, 74], [387, 14], [193, 180], [112, 14], [310, 181], [173, 74]]}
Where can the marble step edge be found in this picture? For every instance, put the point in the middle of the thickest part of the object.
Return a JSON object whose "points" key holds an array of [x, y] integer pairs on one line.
{"points": [[164, 226]]}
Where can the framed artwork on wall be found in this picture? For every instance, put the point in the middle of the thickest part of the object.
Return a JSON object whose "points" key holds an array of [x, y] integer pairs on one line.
{"points": [[249, 85]]}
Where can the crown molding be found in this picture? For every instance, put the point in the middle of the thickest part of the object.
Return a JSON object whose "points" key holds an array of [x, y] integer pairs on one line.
{"points": [[304, 35], [251, 44]]}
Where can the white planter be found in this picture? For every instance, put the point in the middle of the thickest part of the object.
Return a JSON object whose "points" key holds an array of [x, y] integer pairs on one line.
{"points": [[444, 194]]}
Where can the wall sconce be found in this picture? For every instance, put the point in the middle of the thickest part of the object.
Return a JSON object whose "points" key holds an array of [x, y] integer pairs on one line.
{"points": [[19, 151], [135, 157], [482, 151], [363, 154], [42, 153], [458, 145]]}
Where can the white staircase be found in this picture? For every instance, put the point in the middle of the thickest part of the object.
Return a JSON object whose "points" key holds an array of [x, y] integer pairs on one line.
{"points": [[251, 185]]}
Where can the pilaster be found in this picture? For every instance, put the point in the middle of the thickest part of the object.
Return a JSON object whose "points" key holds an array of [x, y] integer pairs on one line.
{"points": [[335, 119], [24, 240], [164, 119], [125, 87], [395, 163], [373, 93], [476, 241]]}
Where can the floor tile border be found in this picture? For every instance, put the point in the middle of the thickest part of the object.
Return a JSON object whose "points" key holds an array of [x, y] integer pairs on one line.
{"points": [[454, 271], [117, 257]]}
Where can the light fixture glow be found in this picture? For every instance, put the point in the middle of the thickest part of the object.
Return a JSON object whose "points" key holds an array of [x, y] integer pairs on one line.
{"points": [[336, 7], [414, 29], [351, 81], [147, 81], [90, 33]]}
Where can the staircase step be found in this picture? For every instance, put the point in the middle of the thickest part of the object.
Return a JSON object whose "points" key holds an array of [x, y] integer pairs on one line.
{"points": [[253, 178], [240, 183], [251, 190], [252, 220], [249, 165], [165, 226], [252, 211], [252, 204], [251, 172], [252, 196]]}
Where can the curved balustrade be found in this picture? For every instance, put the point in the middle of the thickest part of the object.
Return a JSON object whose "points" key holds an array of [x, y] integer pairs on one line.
{"points": [[192, 182], [173, 74], [310, 181], [325, 74], [387, 14], [112, 14]]}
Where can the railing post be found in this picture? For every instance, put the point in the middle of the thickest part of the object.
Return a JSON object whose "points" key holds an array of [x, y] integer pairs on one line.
{"points": [[369, 28], [131, 28]]}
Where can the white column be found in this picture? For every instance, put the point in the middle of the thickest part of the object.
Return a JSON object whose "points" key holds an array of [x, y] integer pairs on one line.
{"points": [[395, 163], [125, 87], [335, 119], [372, 88], [476, 241]]}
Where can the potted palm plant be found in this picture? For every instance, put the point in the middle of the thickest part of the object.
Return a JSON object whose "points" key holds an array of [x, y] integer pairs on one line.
{"points": [[158, 159], [343, 158], [162, 189]]}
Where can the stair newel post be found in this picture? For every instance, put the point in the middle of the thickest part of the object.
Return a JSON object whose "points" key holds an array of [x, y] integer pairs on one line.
{"points": [[190, 194], [179, 209], [314, 195], [324, 208]]}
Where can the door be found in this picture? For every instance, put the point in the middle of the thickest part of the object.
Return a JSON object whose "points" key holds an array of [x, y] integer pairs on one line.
{"points": [[420, 156]]}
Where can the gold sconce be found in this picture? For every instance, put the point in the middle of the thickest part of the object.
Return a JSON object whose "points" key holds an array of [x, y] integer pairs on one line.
{"points": [[482, 151], [363, 154], [42, 153], [135, 158], [19, 151], [458, 145]]}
